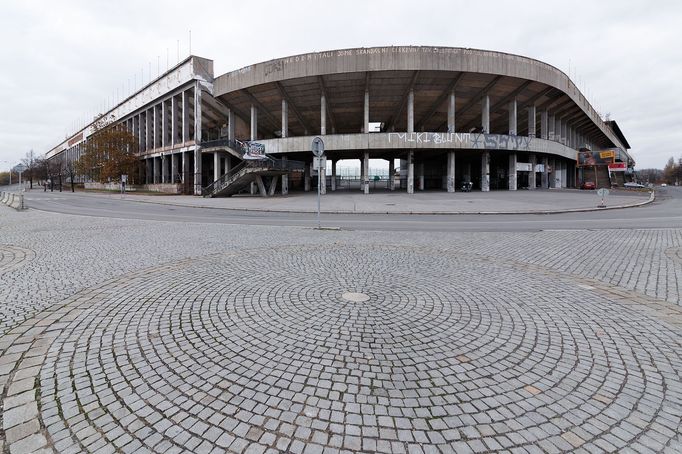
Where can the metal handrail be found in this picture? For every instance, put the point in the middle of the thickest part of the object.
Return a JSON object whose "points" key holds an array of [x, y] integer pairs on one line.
{"points": [[267, 164]]}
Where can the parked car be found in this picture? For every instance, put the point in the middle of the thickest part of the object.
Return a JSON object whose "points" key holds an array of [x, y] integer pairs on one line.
{"points": [[631, 184], [588, 185], [663, 185]]}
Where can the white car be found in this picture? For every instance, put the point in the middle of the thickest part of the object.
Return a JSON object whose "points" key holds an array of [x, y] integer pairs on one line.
{"points": [[663, 185], [633, 185]]}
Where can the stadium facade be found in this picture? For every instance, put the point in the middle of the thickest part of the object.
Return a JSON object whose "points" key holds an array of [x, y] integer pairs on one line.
{"points": [[450, 117]]}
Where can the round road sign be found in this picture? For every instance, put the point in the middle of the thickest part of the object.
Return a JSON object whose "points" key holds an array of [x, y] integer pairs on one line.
{"points": [[317, 147], [603, 192]]}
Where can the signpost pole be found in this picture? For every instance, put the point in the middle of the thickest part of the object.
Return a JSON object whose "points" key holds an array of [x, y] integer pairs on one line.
{"points": [[317, 147]]}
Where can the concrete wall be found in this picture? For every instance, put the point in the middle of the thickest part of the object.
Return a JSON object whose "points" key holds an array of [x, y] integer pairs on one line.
{"points": [[418, 141], [13, 200], [166, 188]]}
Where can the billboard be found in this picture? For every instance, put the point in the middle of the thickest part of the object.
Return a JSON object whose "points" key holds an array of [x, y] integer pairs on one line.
{"points": [[596, 158], [618, 167], [253, 150]]}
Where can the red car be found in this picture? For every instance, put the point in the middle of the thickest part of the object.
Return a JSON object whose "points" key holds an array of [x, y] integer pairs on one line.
{"points": [[588, 185]]}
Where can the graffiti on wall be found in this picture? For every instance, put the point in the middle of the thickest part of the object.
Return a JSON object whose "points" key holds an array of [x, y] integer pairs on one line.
{"points": [[462, 140]]}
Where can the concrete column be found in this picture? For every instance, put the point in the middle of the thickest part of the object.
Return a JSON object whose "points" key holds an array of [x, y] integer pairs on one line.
{"points": [[148, 130], [198, 183], [306, 176], [410, 111], [543, 124], [531, 175], [323, 115], [174, 120], [322, 180], [334, 161], [362, 176], [254, 122], [164, 124], [157, 170], [550, 128], [485, 171], [185, 168], [149, 177], [512, 171], [451, 111], [564, 132], [165, 164], [285, 180], [216, 166], [531, 121], [544, 177], [557, 129], [366, 110], [485, 114], [391, 175], [230, 125], [451, 171], [410, 172], [552, 174], [185, 116], [174, 167], [421, 175], [365, 168], [285, 118], [512, 118]]}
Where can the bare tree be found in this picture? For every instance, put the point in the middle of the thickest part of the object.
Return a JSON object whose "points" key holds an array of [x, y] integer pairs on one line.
{"points": [[30, 171]]}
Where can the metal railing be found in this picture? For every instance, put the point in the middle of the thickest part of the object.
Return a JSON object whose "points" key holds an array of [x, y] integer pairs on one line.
{"points": [[251, 166], [235, 144]]}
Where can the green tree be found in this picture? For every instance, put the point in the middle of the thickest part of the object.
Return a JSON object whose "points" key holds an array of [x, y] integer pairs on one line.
{"points": [[111, 151]]}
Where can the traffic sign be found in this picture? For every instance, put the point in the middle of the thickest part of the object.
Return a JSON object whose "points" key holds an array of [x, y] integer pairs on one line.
{"points": [[602, 192], [317, 146], [19, 168]]}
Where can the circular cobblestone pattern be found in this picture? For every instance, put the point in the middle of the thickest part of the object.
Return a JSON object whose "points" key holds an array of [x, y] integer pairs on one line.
{"points": [[264, 350], [13, 256]]}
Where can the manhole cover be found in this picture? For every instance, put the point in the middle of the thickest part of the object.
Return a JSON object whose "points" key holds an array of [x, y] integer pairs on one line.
{"points": [[355, 297]]}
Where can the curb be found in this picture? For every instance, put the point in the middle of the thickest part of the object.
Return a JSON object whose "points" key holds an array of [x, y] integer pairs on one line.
{"points": [[652, 197]]}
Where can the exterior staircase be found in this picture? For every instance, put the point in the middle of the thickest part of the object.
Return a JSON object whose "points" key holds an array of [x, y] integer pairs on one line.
{"points": [[246, 172]]}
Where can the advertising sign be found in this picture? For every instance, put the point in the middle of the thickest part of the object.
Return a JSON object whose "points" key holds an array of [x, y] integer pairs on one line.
{"points": [[253, 150], [524, 166], [618, 167], [596, 158]]}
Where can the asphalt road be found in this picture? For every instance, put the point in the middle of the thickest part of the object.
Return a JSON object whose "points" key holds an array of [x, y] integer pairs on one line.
{"points": [[665, 212]]}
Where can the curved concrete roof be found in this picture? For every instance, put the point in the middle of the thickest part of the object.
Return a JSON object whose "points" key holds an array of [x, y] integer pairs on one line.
{"points": [[239, 88]]}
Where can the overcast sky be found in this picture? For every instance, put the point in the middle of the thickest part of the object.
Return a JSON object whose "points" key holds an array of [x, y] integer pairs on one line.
{"points": [[62, 60]]}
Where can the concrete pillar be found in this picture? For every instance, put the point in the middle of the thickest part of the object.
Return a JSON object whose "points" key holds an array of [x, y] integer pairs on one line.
{"points": [[451, 111], [157, 170], [230, 125], [362, 175], [306, 176], [334, 161], [531, 175], [451, 171], [174, 120], [366, 110], [550, 128], [165, 177], [174, 167], [485, 114], [365, 168], [391, 175], [164, 124], [552, 174], [531, 121], [149, 177], [512, 171], [185, 168], [544, 177], [410, 172], [410, 111], [512, 118], [421, 175], [323, 115], [557, 129], [485, 171], [323, 180], [564, 132], [216, 166], [285, 180], [543, 124], [185, 116], [197, 137], [254, 122], [149, 133], [285, 118]]}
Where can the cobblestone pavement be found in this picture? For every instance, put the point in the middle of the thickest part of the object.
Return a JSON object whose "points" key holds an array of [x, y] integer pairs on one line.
{"points": [[137, 336]]}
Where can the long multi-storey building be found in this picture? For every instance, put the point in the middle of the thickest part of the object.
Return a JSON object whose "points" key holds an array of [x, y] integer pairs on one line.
{"points": [[447, 116]]}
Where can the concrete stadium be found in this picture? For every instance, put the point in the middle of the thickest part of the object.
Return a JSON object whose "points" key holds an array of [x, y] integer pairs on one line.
{"points": [[448, 117]]}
